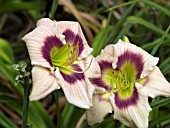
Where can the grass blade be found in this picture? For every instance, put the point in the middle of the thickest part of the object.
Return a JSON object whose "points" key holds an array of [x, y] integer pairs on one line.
{"points": [[119, 25], [121, 5], [159, 120], [58, 111], [160, 103], [134, 19], [53, 9], [158, 44], [11, 7], [67, 114], [5, 122], [157, 6], [126, 28], [164, 63], [99, 41]]}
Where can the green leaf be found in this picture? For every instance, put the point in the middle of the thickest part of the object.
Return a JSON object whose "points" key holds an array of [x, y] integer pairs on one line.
{"points": [[160, 103], [37, 115], [6, 53], [106, 123], [78, 112], [123, 4], [166, 69], [44, 114], [8, 72], [126, 28], [158, 44], [8, 100], [58, 111], [100, 40], [67, 114], [157, 6], [164, 63], [149, 46], [5, 122], [159, 120], [3, 20], [17, 6], [117, 33], [53, 9], [35, 118], [155, 29]]}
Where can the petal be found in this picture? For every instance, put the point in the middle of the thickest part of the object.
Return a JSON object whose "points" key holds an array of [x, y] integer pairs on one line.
{"points": [[96, 68], [46, 22], [107, 54], [96, 113], [77, 89], [105, 65], [44, 82], [156, 85], [90, 66], [40, 42], [100, 84], [72, 76], [143, 61], [133, 115], [99, 90], [74, 34]]}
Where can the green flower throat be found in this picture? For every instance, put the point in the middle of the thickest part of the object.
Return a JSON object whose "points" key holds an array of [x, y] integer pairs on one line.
{"points": [[64, 57], [121, 81]]}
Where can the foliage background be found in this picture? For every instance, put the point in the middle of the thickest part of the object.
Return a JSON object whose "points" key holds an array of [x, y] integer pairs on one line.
{"points": [[103, 22]]}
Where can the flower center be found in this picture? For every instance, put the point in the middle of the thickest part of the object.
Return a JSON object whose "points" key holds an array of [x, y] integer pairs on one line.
{"points": [[121, 81], [64, 57]]}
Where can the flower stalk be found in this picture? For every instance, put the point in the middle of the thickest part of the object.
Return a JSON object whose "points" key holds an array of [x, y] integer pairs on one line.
{"points": [[25, 105], [58, 112], [23, 79]]}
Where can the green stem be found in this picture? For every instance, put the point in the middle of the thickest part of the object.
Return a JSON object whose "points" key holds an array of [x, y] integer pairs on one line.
{"points": [[25, 105], [58, 111]]}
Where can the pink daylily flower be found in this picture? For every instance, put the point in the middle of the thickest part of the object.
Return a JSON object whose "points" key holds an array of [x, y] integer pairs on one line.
{"points": [[61, 57], [128, 76]]}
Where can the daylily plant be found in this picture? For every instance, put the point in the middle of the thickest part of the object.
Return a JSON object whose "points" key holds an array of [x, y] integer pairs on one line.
{"points": [[128, 76], [61, 57]]}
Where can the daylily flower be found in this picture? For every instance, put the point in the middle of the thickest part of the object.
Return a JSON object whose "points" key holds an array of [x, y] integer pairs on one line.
{"points": [[128, 76], [61, 58]]}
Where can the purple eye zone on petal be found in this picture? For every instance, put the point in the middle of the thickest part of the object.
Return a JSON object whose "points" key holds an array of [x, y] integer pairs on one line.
{"points": [[72, 78], [105, 65], [134, 58], [49, 43], [124, 103], [74, 39], [100, 83]]}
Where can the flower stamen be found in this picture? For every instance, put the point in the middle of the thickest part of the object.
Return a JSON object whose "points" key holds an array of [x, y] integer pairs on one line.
{"points": [[75, 71], [119, 80]]}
